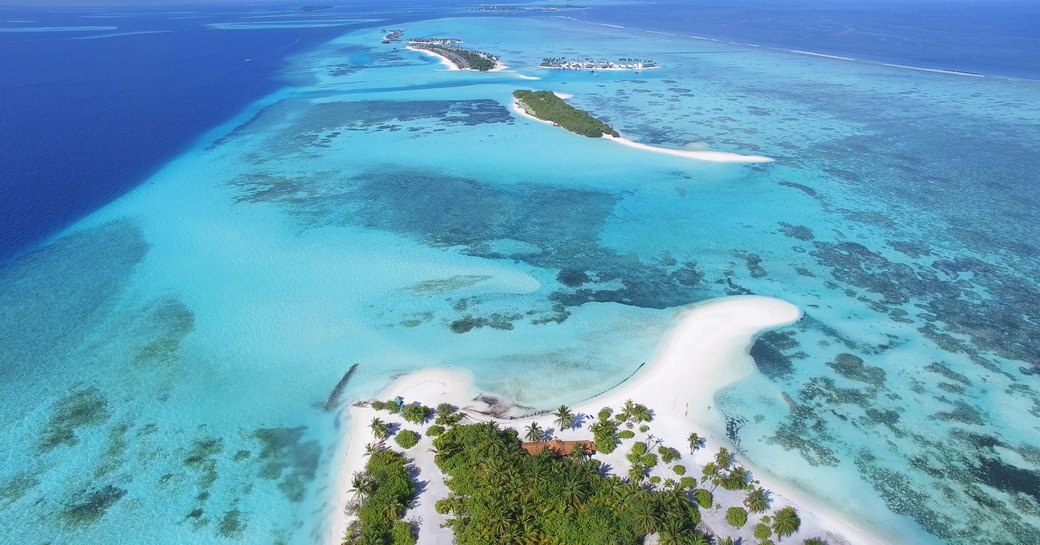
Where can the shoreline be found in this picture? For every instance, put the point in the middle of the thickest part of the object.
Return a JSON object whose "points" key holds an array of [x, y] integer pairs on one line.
{"points": [[707, 156], [705, 350], [444, 60]]}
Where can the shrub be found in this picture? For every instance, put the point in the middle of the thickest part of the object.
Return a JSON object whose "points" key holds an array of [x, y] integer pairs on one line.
{"points": [[402, 534], [644, 428], [406, 438], [736, 517], [604, 414], [763, 531], [378, 405], [626, 434], [605, 435], [669, 454], [416, 413], [655, 479], [679, 470], [703, 497], [443, 506], [814, 541], [445, 409], [687, 483], [670, 483], [695, 515], [649, 459], [434, 430], [638, 448]]}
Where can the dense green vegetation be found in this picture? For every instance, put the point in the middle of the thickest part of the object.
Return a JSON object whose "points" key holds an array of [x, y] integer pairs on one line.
{"points": [[501, 495], [381, 494], [462, 58], [549, 107]]}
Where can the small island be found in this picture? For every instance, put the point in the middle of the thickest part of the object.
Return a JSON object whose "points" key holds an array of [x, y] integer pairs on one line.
{"points": [[393, 35], [458, 57], [519, 9], [547, 106], [623, 64], [443, 463]]}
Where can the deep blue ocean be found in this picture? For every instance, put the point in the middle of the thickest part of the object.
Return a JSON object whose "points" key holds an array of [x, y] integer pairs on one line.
{"points": [[85, 120], [987, 37]]}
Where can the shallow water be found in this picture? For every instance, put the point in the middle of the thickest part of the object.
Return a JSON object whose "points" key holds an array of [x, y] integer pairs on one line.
{"points": [[168, 357]]}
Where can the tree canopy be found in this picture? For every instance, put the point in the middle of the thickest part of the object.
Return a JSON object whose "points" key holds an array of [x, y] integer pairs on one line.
{"points": [[502, 495], [549, 107]]}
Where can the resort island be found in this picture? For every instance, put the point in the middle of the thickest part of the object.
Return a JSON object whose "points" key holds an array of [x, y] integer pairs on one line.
{"points": [[440, 463], [455, 56], [550, 107], [623, 64]]}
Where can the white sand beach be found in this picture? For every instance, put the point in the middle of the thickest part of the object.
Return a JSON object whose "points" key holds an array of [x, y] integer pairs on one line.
{"points": [[697, 155], [705, 351], [444, 60]]}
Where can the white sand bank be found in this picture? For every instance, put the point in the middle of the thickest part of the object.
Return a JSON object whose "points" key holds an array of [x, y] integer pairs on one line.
{"points": [[713, 156], [706, 350]]}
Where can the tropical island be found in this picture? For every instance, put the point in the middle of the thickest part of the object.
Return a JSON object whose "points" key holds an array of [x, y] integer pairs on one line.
{"points": [[471, 469], [550, 107], [560, 63], [456, 56]]}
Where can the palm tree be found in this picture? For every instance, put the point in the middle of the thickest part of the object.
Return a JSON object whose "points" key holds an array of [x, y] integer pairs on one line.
{"points": [[580, 453], [674, 532], [723, 458], [379, 428], [700, 539], [627, 410], [695, 442], [645, 516], [534, 432], [737, 479], [710, 473], [641, 413], [564, 417], [361, 485], [757, 501], [572, 492], [786, 522], [723, 541]]}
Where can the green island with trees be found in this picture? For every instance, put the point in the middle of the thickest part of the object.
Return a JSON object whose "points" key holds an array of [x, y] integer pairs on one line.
{"points": [[545, 105], [501, 492], [464, 59]]}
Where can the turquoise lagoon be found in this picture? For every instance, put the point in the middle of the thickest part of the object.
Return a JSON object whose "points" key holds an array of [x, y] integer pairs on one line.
{"points": [[167, 358]]}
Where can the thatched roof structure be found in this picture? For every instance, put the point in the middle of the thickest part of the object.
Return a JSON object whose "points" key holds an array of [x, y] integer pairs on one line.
{"points": [[557, 447]]}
